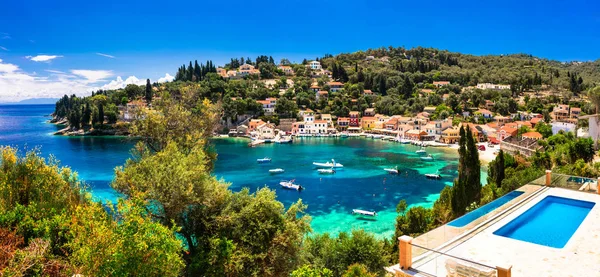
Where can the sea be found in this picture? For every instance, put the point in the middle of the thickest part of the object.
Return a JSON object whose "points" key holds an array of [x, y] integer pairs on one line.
{"points": [[361, 184]]}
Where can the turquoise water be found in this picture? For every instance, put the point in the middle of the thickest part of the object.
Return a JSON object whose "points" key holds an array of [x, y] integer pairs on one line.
{"points": [[362, 184], [483, 210], [550, 222]]}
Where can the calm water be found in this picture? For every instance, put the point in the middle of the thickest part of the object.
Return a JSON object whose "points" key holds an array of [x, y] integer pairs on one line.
{"points": [[361, 184]]}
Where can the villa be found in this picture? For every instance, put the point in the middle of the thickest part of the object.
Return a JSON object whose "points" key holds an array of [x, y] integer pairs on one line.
{"points": [[439, 84], [287, 70], [335, 86], [548, 227], [492, 86], [314, 65]]}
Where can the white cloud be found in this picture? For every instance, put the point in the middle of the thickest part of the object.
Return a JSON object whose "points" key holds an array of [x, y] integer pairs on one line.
{"points": [[119, 83], [92, 76], [7, 67], [43, 58], [16, 84], [3, 48], [55, 71], [167, 78], [106, 55]]}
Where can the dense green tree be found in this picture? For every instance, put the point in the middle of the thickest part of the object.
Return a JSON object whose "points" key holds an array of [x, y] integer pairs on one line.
{"points": [[149, 92]]}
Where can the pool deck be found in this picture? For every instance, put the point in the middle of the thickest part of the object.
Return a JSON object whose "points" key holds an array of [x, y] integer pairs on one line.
{"points": [[579, 257]]}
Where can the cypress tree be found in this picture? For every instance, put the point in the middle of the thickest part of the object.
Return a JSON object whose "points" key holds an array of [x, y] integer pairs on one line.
{"points": [[189, 73], [100, 114], [499, 169], [197, 71], [149, 90]]}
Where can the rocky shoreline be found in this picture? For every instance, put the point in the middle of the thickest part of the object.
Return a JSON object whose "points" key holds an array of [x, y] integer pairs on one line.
{"points": [[68, 131]]}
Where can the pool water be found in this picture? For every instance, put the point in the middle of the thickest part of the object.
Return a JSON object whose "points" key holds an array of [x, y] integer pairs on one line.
{"points": [[551, 222], [483, 210]]}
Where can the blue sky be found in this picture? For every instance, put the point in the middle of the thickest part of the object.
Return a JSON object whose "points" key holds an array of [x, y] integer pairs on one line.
{"points": [[148, 39]]}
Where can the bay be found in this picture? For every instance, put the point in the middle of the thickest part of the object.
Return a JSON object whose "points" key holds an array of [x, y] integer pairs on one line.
{"points": [[362, 184]]}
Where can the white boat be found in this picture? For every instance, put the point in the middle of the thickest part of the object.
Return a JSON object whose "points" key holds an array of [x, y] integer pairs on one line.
{"points": [[290, 185], [344, 135], [276, 170], [404, 141], [326, 171], [331, 164], [363, 212], [284, 139], [392, 170], [369, 135], [427, 158], [377, 136], [263, 160], [435, 175], [421, 151]]}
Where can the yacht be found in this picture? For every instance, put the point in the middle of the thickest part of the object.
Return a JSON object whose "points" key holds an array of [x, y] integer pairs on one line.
{"points": [[392, 170], [263, 160], [435, 175], [326, 171], [364, 213], [427, 158], [421, 151], [331, 164], [290, 185], [276, 170]]}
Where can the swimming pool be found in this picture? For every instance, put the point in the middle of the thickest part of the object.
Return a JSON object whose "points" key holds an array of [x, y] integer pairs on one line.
{"points": [[550, 222], [483, 210]]}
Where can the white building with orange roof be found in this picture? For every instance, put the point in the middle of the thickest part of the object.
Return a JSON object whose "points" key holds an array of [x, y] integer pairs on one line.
{"points": [[287, 70], [335, 86]]}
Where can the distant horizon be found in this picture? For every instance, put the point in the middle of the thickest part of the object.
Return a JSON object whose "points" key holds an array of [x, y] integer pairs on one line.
{"points": [[48, 49]]}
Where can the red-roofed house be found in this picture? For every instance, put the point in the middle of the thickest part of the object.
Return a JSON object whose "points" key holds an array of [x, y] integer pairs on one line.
{"points": [[439, 84], [532, 135], [483, 112], [367, 92], [506, 131], [354, 119], [534, 121], [368, 122], [321, 94], [335, 86], [343, 123]]}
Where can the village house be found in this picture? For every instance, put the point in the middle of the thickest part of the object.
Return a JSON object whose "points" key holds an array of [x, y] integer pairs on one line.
{"points": [[300, 128], [483, 112], [532, 135], [321, 94], [287, 70], [439, 84], [392, 124], [335, 86], [247, 69], [328, 119], [445, 96], [575, 112], [268, 105], [492, 86], [132, 108], [343, 123], [523, 123], [560, 113], [315, 88], [314, 65], [534, 121], [505, 132], [266, 131], [232, 74], [429, 109], [450, 135], [222, 72], [367, 92], [320, 127], [501, 120], [381, 120], [354, 119], [253, 124], [475, 131], [306, 113], [426, 91], [489, 104], [368, 122], [369, 112], [402, 128], [414, 134], [430, 129]]}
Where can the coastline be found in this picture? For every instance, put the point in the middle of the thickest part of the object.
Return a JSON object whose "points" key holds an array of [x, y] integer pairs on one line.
{"points": [[67, 131]]}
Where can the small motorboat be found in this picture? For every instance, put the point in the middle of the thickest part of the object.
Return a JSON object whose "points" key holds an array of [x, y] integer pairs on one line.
{"points": [[290, 185], [276, 170], [364, 213], [404, 141], [392, 170], [377, 136], [331, 164], [427, 158], [344, 135], [435, 175], [421, 151], [326, 171], [263, 160]]}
